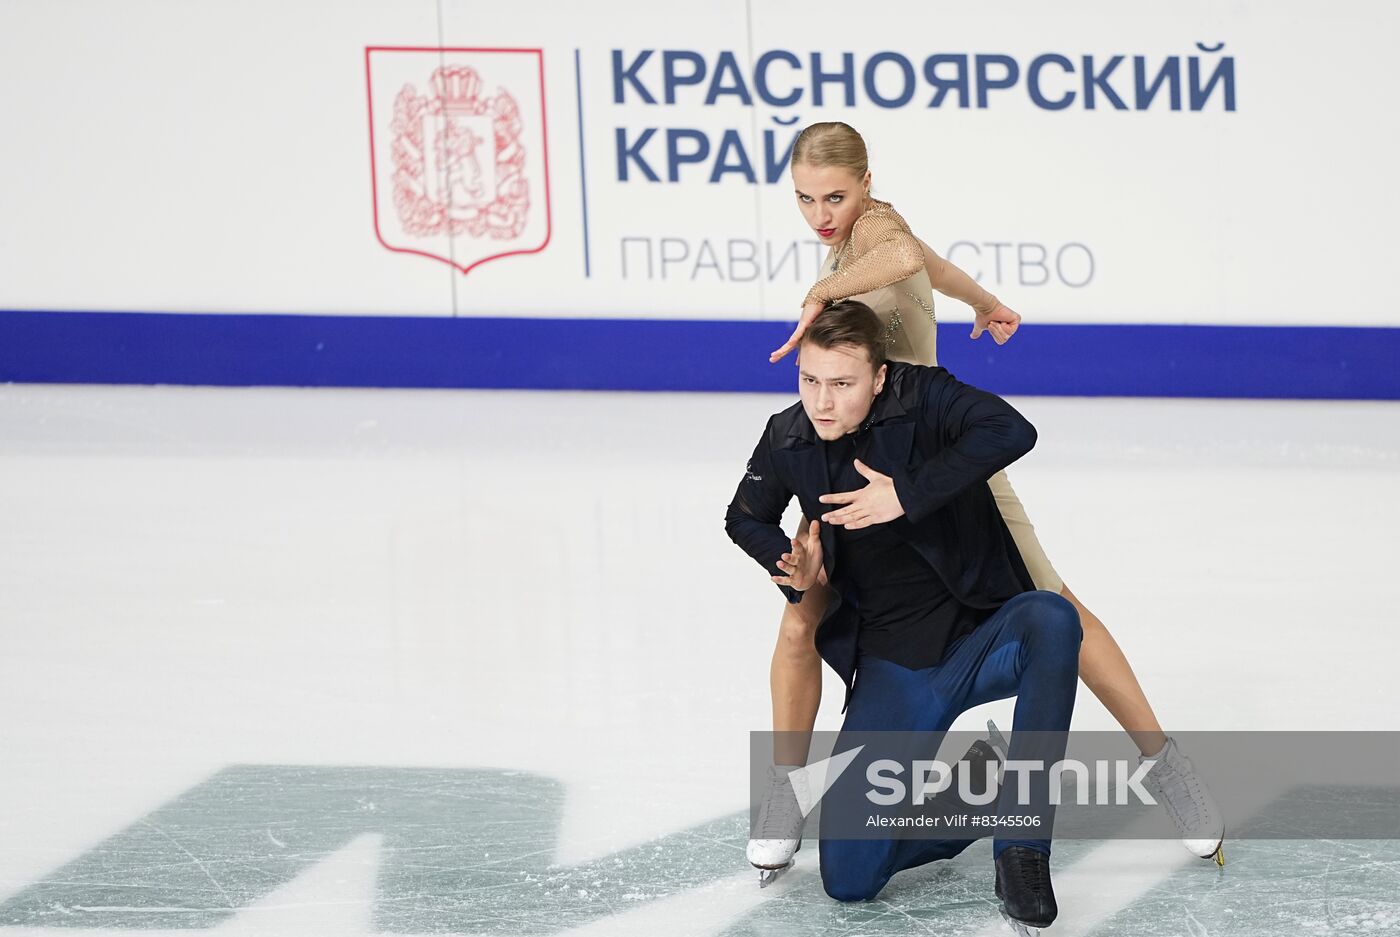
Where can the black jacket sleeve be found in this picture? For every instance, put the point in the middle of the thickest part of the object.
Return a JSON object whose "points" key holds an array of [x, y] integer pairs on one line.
{"points": [[980, 435], [755, 516]]}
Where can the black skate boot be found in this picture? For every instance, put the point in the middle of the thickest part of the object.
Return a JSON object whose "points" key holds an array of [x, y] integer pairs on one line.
{"points": [[983, 760], [1023, 885]]}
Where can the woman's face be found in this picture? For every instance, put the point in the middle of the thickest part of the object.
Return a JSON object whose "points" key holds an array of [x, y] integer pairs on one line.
{"points": [[831, 199]]}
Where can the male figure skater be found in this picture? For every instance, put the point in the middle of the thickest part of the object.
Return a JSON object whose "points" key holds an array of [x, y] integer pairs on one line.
{"points": [[935, 612]]}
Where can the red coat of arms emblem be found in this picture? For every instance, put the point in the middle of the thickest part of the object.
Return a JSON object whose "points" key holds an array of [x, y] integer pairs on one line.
{"points": [[458, 154]]}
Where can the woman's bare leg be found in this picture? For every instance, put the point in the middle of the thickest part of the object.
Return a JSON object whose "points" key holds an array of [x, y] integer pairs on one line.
{"points": [[795, 677], [1109, 676]]}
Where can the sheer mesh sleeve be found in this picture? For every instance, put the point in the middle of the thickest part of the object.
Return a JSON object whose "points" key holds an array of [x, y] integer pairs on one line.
{"points": [[882, 251]]}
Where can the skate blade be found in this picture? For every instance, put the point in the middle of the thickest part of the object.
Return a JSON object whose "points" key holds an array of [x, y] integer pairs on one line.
{"points": [[1021, 930], [1218, 854], [998, 741], [767, 877]]}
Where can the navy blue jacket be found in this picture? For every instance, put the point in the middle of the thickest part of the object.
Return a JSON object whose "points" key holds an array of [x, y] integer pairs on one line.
{"points": [[940, 440]]}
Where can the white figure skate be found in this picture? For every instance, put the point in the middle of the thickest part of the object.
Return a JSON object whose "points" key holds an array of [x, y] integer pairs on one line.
{"points": [[1174, 783], [777, 833]]}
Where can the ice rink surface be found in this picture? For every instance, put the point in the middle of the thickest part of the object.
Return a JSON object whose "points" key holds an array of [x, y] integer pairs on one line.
{"points": [[303, 662]]}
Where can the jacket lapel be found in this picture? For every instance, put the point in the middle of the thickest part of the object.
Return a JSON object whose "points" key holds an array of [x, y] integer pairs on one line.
{"points": [[890, 445], [891, 429]]}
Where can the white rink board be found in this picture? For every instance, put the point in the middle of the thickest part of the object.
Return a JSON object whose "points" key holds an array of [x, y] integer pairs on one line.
{"points": [[216, 158]]}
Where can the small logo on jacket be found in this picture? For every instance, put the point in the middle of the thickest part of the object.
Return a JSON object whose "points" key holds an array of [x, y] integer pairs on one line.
{"points": [[460, 169]]}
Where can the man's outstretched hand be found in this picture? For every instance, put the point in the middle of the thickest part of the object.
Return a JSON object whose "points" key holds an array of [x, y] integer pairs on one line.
{"points": [[1001, 322], [803, 566], [809, 312], [876, 503]]}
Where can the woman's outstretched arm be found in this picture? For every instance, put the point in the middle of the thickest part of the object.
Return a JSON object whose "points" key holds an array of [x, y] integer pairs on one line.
{"points": [[950, 280]]}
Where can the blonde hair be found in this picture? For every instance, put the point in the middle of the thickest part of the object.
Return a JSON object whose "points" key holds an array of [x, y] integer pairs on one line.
{"points": [[831, 143]]}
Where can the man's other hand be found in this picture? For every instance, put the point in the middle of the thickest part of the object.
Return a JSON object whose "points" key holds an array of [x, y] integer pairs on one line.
{"points": [[803, 566]]}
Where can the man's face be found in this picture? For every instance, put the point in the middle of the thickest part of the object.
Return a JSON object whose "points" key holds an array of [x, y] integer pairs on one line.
{"points": [[837, 386]]}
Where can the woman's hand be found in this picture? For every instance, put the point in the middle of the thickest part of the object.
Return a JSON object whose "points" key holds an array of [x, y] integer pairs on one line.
{"points": [[1002, 322], [809, 312]]}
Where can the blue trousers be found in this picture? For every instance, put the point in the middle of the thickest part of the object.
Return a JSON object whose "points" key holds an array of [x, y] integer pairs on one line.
{"points": [[1029, 649]]}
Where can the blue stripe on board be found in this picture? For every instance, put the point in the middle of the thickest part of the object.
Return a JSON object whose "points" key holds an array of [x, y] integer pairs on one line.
{"points": [[648, 354]]}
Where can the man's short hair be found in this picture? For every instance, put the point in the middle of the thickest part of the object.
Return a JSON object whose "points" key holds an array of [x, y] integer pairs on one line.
{"points": [[849, 322]]}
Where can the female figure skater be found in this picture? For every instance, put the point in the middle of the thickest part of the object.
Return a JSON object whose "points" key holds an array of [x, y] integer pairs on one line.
{"points": [[875, 258]]}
